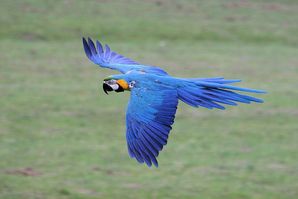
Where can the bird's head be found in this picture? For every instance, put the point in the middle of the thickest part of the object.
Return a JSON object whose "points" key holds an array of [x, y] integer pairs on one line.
{"points": [[115, 84]]}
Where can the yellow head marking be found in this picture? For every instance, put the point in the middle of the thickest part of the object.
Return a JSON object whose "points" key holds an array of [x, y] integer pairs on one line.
{"points": [[123, 84]]}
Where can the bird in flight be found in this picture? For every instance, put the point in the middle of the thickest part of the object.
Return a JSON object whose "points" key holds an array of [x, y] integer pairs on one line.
{"points": [[154, 96]]}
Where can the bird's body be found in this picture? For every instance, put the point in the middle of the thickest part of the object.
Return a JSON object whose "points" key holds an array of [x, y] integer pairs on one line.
{"points": [[154, 98]]}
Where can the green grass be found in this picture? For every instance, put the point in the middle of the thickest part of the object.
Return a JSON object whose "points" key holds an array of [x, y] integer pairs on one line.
{"points": [[62, 137]]}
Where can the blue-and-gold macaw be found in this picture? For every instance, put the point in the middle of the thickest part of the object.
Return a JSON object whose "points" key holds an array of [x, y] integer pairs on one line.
{"points": [[154, 98]]}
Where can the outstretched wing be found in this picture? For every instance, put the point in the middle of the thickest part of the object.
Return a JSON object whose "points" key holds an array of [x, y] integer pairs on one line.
{"points": [[106, 58], [149, 117]]}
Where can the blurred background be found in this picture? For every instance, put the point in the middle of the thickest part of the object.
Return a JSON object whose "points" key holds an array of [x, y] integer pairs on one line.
{"points": [[62, 137]]}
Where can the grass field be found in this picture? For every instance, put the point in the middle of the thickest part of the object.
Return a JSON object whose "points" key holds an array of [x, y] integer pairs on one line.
{"points": [[62, 137]]}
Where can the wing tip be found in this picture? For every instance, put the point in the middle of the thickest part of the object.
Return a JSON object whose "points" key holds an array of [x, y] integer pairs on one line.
{"points": [[99, 47], [90, 42], [151, 163], [86, 48]]}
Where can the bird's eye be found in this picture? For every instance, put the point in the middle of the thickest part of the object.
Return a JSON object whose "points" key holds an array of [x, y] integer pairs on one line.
{"points": [[131, 84]]}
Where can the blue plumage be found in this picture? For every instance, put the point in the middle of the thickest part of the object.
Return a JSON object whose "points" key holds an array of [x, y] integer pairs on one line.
{"points": [[112, 60], [154, 98]]}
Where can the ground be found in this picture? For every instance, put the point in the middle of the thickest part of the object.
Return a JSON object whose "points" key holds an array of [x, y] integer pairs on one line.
{"points": [[62, 137]]}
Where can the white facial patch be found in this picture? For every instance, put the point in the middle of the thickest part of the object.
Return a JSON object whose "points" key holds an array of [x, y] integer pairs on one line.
{"points": [[114, 86]]}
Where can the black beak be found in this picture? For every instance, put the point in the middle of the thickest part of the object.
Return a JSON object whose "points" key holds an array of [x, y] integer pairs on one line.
{"points": [[106, 88]]}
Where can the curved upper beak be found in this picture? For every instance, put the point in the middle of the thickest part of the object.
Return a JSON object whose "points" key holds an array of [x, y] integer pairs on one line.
{"points": [[106, 88]]}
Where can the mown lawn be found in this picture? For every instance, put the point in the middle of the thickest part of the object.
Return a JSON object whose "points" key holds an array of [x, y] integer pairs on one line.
{"points": [[62, 137]]}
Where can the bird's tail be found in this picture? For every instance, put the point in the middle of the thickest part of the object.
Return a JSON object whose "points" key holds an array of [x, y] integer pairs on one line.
{"points": [[214, 93]]}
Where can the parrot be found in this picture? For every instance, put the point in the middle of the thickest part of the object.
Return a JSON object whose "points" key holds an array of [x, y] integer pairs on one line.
{"points": [[154, 97]]}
